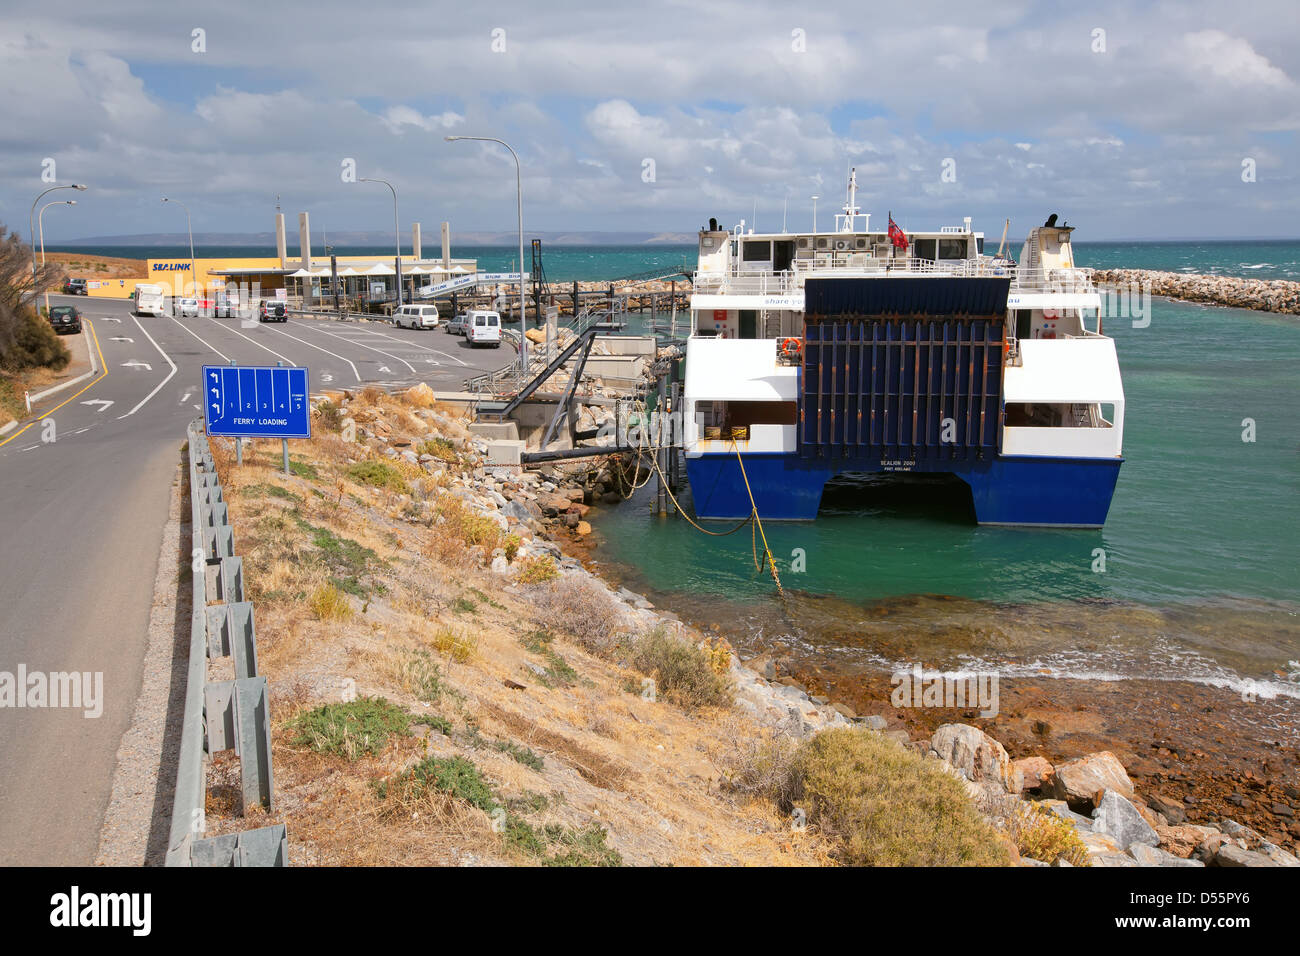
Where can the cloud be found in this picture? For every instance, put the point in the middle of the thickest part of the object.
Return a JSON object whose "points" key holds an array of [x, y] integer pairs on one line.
{"points": [[717, 95]]}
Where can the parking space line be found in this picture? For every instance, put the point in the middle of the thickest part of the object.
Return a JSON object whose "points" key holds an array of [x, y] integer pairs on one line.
{"points": [[427, 348], [164, 381], [360, 345], [284, 358], [200, 338], [318, 348]]}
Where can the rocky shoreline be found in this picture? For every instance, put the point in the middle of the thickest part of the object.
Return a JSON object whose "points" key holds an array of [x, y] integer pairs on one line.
{"points": [[1261, 295], [1093, 793]]}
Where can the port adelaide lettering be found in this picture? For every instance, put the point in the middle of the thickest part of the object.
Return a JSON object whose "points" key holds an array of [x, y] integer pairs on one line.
{"points": [[76, 909]]}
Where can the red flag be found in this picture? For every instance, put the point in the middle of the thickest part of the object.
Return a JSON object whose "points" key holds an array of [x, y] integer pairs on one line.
{"points": [[896, 235]]}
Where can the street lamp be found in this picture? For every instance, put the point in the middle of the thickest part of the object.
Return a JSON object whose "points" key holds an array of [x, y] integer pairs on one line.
{"points": [[397, 232], [519, 193], [31, 227], [194, 276], [40, 226]]}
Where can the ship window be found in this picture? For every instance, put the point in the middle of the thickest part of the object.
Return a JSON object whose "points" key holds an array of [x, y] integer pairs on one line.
{"points": [[924, 248], [979, 244], [952, 248], [758, 251]]}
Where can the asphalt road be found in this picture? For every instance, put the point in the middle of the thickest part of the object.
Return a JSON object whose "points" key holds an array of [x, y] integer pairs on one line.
{"points": [[81, 520]]}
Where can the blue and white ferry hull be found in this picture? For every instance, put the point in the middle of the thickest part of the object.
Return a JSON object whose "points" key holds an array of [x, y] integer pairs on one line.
{"points": [[1041, 492]]}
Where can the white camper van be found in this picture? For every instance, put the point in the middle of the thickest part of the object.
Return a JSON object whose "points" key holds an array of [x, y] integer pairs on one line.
{"points": [[483, 328], [150, 299]]}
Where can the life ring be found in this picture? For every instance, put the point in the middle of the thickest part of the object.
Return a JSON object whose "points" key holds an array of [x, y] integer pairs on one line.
{"points": [[791, 346]]}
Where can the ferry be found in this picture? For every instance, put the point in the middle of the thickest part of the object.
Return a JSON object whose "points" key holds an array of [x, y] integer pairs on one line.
{"points": [[858, 351]]}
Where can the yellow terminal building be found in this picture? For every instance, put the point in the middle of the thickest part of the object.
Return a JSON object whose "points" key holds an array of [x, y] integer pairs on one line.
{"points": [[302, 281]]}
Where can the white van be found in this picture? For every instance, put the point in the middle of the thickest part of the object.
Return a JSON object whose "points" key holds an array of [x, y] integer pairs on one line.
{"points": [[151, 299], [483, 328], [416, 316]]}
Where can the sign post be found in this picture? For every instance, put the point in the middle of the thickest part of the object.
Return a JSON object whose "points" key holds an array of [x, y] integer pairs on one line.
{"points": [[257, 401]]}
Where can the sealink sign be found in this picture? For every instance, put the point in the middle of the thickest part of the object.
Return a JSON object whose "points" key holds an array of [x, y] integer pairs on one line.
{"points": [[171, 267]]}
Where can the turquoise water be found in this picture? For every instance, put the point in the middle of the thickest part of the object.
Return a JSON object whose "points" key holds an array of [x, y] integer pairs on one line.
{"points": [[1202, 557]]}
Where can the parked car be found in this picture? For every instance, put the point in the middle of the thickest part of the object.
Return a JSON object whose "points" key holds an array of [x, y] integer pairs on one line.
{"points": [[483, 328], [272, 310], [227, 306], [456, 325], [65, 318], [416, 317], [75, 287], [187, 307]]}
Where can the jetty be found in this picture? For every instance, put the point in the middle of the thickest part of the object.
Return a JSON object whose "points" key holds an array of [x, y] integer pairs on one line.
{"points": [[1262, 295]]}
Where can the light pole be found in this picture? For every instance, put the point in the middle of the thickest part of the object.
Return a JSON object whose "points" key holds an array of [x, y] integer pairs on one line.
{"points": [[519, 194], [31, 227], [40, 226], [397, 232], [814, 199], [194, 276]]}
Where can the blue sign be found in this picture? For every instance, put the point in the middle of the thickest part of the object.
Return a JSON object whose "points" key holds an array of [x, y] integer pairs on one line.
{"points": [[256, 401]]}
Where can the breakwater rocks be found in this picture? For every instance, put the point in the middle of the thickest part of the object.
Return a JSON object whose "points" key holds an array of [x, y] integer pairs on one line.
{"points": [[1274, 295]]}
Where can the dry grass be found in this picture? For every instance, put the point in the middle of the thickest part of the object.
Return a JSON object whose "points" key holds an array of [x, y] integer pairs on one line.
{"points": [[605, 772], [328, 603]]}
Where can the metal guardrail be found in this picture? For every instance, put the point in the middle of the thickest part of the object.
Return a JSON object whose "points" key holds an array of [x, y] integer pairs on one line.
{"points": [[221, 715]]}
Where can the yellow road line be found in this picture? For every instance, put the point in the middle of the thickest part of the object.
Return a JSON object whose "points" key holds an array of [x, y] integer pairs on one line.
{"points": [[103, 375]]}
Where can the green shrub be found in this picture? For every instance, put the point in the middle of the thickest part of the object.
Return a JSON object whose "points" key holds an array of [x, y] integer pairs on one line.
{"points": [[454, 776], [520, 754], [379, 474], [34, 344], [442, 448], [331, 416], [682, 672], [351, 729], [886, 806]]}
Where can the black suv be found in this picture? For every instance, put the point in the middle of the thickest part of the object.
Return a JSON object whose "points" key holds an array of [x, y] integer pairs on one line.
{"points": [[272, 311], [65, 318], [75, 287]]}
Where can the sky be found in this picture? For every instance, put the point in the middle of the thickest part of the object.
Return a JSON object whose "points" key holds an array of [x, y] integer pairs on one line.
{"points": [[1160, 120]]}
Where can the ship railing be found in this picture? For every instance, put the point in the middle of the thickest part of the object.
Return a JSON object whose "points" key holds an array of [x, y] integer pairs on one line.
{"points": [[1063, 281]]}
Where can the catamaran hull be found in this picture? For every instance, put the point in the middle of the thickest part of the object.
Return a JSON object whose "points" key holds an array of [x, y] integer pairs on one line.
{"points": [[1037, 492]]}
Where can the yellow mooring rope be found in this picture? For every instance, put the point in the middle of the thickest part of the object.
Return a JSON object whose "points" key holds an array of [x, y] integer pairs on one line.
{"points": [[641, 450], [758, 522]]}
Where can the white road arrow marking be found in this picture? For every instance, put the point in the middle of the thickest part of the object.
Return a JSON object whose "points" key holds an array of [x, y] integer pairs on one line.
{"points": [[385, 368], [110, 318], [186, 397], [103, 403], [136, 363], [122, 338]]}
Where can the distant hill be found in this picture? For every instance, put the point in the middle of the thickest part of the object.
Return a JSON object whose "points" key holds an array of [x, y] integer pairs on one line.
{"points": [[380, 240]]}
